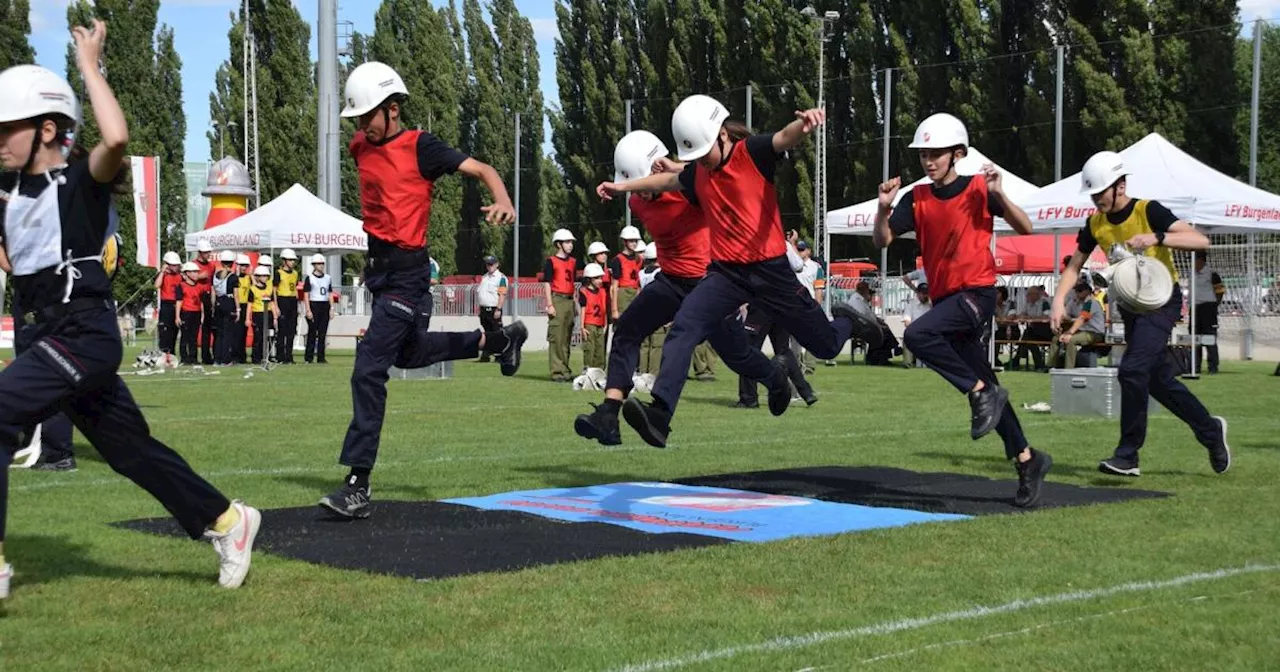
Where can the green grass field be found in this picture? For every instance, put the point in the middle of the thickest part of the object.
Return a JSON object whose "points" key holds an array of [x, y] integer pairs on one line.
{"points": [[90, 596]]}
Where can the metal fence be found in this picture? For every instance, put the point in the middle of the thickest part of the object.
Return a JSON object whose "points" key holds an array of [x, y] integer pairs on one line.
{"points": [[452, 300]]}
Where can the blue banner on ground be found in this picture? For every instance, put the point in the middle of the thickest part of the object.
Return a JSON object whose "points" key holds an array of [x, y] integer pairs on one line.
{"points": [[718, 512]]}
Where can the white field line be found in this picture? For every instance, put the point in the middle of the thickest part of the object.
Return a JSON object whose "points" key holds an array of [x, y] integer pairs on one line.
{"points": [[890, 627]]}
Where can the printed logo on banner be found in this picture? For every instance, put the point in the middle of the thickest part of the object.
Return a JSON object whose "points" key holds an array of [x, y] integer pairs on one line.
{"points": [[727, 501]]}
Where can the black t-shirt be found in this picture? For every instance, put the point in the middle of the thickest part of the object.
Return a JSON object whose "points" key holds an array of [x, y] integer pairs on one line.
{"points": [[83, 206], [436, 158], [760, 147], [903, 218], [1158, 217]]}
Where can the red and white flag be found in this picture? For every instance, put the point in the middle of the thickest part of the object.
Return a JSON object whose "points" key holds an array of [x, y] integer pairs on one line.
{"points": [[146, 208]]}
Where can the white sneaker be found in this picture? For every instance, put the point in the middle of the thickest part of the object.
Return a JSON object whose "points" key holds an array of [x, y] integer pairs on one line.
{"points": [[6, 573], [235, 548]]}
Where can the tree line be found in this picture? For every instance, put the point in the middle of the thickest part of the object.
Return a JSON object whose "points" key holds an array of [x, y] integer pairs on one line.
{"points": [[1178, 67]]}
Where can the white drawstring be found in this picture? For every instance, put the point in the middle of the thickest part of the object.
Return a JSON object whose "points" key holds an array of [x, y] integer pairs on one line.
{"points": [[73, 273]]}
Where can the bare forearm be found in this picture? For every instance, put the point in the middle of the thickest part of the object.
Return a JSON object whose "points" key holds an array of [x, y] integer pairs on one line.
{"points": [[881, 235], [112, 126], [656, 182], [1192, 241], [789, 137], [1015, 216]]}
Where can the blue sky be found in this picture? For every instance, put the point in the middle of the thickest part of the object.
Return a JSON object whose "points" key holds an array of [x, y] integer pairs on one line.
{"points": [[200, 32]]}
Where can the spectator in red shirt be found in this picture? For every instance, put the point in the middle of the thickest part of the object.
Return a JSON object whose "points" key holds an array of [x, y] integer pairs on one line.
{"points": [[953, 219]]}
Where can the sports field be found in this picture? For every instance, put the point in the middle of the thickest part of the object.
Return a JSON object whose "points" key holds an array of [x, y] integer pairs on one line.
{"points": [[1190, 582]]}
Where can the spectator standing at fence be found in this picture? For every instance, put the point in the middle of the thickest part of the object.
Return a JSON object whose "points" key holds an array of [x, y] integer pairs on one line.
{"points": [[914, 279], [915, 311], [317, 287], [1146, 370], [435, 270], [953, 219], [225, 310], [208, 322], [1087, 326], [625, 269], [1038, 334], [167, 319], [1209, 292], [561, 275], [491, 293], [813, 278], [593, 303]]}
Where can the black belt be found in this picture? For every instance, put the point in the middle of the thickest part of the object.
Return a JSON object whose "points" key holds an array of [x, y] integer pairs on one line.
{"points": [[384, 257], [61, 310], [489, 307], [561, 294]]}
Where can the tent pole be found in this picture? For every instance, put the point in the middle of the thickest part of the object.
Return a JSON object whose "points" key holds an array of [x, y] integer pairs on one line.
{"points": [[888, 125]]}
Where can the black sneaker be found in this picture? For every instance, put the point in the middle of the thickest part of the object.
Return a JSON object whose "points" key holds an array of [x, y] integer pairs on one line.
{"points": [[652, 423], [747, 404], [1220, 455], [865, 325], [66, 464], [811, 399], [601, 425], [348, 501], [986, 407], [1030, 477], [779, 387], [509, 359], [1119, 466]]}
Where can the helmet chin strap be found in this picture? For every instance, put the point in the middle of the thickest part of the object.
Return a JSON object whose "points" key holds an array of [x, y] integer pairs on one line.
{"points": [[35, 145]]}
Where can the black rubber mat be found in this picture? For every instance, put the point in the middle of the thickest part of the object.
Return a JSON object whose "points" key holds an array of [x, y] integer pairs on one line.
{"points": [[903, 489], [434, 540]]}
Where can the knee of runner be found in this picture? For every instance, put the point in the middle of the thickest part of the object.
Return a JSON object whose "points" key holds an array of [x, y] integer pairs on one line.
{"points": [[914, 337]]}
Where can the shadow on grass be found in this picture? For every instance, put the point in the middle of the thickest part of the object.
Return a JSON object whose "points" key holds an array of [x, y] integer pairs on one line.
{"points": [[564, 476], [1089, 472], [46, 559]]}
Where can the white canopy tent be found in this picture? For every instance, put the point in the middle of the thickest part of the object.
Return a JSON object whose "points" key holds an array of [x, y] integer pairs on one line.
{"points": [[296, 219], [858, 220], [1159, 171]]}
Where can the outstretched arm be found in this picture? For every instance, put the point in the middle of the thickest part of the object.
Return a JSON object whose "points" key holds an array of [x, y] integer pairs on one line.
{"points": [[105, 159], [795, 132], [657, 182], [501, 211]]}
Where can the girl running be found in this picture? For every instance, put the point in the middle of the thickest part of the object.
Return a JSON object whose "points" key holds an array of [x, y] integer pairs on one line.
{"points": [[731, 178]]}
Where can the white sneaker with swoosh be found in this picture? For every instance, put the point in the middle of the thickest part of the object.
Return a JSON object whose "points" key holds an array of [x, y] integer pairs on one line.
{"points": [[235, 548]]}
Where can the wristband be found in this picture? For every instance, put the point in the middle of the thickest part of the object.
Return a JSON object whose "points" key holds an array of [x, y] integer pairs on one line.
{"points": [[1160, 238]]}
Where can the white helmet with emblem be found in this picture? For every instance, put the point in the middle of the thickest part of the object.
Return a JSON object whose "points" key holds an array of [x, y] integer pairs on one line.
{"points": [[597, 248], [369, 86], [634, 155], [696, 126]]}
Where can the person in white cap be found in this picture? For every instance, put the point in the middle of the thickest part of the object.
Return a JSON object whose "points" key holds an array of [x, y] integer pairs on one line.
{"points": [[260, 293], [225, 309], [1147, 228], [398, 169], [598, 253], [191, 310], [244, 277], [317, 286], [625, 269], [593, 304], [208, 322], [491, 294], [167, 319], [284, 282], [56, 220], [560, 274]]}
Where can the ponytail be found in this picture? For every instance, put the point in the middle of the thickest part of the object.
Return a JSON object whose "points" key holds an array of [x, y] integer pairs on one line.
{"points": [[737, 130]]}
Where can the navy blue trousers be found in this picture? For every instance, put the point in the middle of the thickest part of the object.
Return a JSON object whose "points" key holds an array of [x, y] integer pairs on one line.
{"points": [[55, 433], [1146, 369], [769, 285], [397, 335], [759, 326], [71, 367], [949, 339], [658, 304]]}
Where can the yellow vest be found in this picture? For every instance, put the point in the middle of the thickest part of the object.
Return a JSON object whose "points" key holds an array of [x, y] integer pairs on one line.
{"points": [[257, 295], [242, 289], [1109, 235], [287, 283]]}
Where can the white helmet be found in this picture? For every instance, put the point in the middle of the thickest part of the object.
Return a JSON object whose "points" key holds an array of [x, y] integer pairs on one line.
{"points": [[31, 91], [227, 256], [368, 86], [1100, 172], [630, 233], [172, 258], [634, 156], [262, 270], [940, 131], [203, 246], [265, 260], [651, 251], [1141, 283], [593, 270], [562, 235], [317, 259], [596, 248], [696, 125], [242, 260], [289, 254], [190, 266]]}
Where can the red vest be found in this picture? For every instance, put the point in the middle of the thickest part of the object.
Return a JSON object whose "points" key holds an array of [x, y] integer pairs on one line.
{"points": [[680, 233], [565, 274], [742, 208], [955, 239], [169, 286], [394, 196], [597, 309], [630, 265], [190, 297]]}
